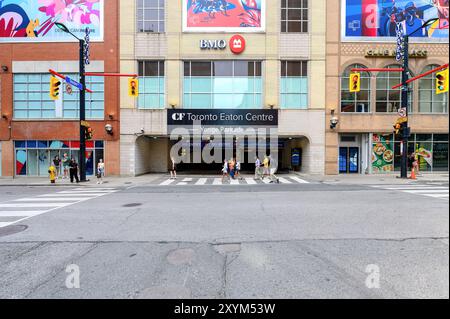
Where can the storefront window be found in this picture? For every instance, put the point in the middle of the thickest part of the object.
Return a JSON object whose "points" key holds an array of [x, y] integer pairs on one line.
{"points": [[32, 99], [355, 102], [429, 101], [222, 85], [389, 100], [151, 85], [294, 84], [33, 158]]}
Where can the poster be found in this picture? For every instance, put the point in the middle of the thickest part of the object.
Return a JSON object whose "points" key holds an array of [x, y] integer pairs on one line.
{"points": [[375, 20], [382, 154], [34, 20], [236, 16]]}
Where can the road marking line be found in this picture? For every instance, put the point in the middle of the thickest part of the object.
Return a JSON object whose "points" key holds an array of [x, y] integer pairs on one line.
{"points": [[21, 213], [50, 199], [437, 195], [217, 181], [87, 192], [234, 182], [5, 224], [187, 180], [201, 181], [95, 188], [426, 191], [91, 195], [284, 181], [251, 181], [299, 180], [413, 188], [400, 186], [19, 205], [167, 182], [266, 181]]}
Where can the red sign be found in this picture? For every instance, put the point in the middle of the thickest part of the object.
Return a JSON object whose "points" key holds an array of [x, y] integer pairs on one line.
{"points": [[237, 44]]}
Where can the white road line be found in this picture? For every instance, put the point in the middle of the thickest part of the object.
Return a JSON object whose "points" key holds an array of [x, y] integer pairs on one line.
{"points": [[87, 192], [5, 224], [182, 183], [437, 195], [201, 181], [251, 181], [266, 181], [234, 182], [187, 180], [284, 181], [167, 182], [21, 213], [26, 205], [51, 199], [412, 188], [95, 188], [426, 191], [91, 195], [298, 180], [217, 181]]}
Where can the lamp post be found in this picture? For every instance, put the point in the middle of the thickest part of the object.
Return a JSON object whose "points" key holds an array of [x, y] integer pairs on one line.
{"points": [[405, 91], [82, 158]]}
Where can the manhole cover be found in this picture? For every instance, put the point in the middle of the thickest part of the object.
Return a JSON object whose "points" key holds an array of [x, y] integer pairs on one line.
{"points": [[11, 230], [132, 205]]}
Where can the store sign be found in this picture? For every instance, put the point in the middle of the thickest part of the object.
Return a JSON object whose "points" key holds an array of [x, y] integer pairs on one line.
{"points": [[237, 44], [225, 117], [376, 53], [213, 44]]}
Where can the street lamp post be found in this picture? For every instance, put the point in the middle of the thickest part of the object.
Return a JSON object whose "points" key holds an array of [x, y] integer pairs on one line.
{"points": [[405, 91], [82, 157]]}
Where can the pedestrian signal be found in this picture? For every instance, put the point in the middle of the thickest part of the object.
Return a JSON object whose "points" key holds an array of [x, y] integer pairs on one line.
{"points": [[54, 88], [133, 87], [355, 82], [397, 128], [442, 82]]}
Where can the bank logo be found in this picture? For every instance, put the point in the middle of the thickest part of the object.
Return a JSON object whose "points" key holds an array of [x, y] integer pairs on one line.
{"points": [[178, 116], [237, 44]]}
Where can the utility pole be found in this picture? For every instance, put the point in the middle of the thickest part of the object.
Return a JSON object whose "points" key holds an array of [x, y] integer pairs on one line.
{"points": [[405, 92], [82, 114]]}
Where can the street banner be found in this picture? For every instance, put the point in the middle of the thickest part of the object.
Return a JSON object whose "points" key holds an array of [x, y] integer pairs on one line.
{"points": [[224, 16], [34, 20], [378, 20]]}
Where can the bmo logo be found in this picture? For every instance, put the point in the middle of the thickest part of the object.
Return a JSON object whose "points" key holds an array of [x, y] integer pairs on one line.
{"points": [[237, 44]]}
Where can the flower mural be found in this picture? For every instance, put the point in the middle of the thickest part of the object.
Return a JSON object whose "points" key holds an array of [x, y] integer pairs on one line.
{"points": [[21, 20], [233, 15]]}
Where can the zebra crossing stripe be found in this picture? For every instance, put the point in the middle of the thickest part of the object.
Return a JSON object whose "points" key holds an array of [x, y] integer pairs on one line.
{"points": [[187, 180], [21, 213], [251, 181], [51, 199], [284, 180], [234, 182], [217, 181], [27, 205], [167, 182], [266, 181], [299, 180], [201, 181]]}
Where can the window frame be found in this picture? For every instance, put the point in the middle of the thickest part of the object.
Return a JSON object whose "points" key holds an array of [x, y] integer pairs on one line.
{"points": [[388, 90], [141, 20], [303, 74], [161, 90]]}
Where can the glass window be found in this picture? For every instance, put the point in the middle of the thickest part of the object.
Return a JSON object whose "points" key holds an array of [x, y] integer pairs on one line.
{"points": [[294, 85], [32, 99], [388, 100], [294, 16], [355, 102], [150, 15], [151, 85], [429, 101], [222, 84]]}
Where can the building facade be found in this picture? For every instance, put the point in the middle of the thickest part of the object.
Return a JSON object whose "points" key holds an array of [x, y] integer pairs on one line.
{"points": [[187, 59], [33, 127], [361, 34]]}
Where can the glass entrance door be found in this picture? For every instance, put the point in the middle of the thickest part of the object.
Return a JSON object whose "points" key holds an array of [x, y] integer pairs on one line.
{"points": [[349, 160]]}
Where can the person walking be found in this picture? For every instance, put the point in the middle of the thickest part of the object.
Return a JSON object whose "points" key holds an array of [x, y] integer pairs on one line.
{"points": [[100, 171], [57, 164], [73, 168], [66, 164], [272, 170], [173, 169], [266, 164], [231, 166], [225, 170], [238, 170], [257, 168]]}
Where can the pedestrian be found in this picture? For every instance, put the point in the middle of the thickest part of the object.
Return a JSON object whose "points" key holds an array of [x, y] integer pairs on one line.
{"points": [[231, 166], [238, 170], [100, 171], [272, 170], [173, 169], [52, 173], [73, 169], [66, 164], [257, 168], [415, 164], [225, 170], [266, 164], [57, 164]]}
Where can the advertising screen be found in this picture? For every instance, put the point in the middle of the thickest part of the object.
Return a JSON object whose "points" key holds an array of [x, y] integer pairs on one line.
{"points": [[223, 16], [34, 20], [376, 20]]}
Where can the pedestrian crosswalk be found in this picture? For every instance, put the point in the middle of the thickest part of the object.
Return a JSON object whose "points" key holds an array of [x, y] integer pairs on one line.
{"points": [[216, 181], [18, 210], [429, 190]]}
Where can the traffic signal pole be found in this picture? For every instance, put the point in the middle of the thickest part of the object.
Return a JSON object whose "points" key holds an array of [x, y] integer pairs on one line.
{"points": [[404, 105], [82, 161]]}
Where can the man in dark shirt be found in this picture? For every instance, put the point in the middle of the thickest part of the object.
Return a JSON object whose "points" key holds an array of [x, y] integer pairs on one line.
{"points": [[73, 170]]}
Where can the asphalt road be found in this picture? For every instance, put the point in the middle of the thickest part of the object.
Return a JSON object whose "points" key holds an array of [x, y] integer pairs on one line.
{"points": [[243, 241]]}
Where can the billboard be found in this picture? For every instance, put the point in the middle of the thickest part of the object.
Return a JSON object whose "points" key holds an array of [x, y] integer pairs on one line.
{"points": [[34, 20], [375, 20], [236, 16]]}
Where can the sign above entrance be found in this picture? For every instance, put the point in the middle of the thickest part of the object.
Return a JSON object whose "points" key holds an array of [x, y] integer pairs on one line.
{"points": [[222, 117], [237, 44]]}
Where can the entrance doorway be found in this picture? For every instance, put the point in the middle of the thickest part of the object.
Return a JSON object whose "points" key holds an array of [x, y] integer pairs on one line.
{"points": [[349, 160]]}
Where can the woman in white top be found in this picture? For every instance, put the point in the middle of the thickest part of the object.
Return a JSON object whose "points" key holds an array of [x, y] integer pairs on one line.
{"points": [[100, 171], [224, 169]]}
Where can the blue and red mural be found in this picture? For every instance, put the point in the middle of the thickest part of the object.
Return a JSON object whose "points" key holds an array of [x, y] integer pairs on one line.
{"points": [[372, 19], [34, 20], [224, 15]]}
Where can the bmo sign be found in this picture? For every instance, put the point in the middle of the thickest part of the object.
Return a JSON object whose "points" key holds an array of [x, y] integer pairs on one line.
{"points": [[236, 43]]}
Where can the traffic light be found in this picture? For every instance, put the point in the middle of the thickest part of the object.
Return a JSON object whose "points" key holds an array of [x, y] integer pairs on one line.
{"points": [[54, 88], [133, 87], [355, 82], [442, 82], [397, 128], [88, 132]]}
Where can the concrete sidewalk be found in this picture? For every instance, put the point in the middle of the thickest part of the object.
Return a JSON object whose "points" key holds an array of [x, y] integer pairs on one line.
{"points": [[379, 179]]}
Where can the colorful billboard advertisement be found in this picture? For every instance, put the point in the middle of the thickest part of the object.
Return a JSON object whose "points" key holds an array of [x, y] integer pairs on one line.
{"points": [[376, 20], [34, 20], [224, 16]]}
